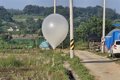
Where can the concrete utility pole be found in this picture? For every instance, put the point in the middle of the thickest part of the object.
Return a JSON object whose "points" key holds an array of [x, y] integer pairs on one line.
{"points": [[103, 30], [71, 30], [54, 6]]}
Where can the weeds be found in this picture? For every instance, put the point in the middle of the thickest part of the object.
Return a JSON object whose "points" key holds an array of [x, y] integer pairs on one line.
{"points": [[41, 63], [80, 69], [81, 45], [10, 61]]}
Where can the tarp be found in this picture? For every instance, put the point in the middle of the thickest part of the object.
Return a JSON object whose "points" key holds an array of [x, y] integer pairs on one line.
{"points": [[44, 44], [116, 25], [111, 37]]}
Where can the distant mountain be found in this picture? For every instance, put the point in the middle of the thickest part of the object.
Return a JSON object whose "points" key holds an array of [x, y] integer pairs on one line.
{"points": [[79, 12], [15, 11], [83, 13]]}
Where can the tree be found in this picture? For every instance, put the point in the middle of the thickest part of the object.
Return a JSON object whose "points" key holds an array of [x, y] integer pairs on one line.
{"points": [[63, 11], [4, 14], [31, 9], [30, 25], [39, 23], [83, 13], [15, 11], [92, 26], [0, 22]]}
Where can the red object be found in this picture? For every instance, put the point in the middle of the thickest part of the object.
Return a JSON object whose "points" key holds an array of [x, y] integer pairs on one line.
{"points": [[115, 46]]}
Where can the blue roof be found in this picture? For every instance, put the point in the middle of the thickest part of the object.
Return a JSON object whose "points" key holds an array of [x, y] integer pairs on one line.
{"points": [[116, 25]]}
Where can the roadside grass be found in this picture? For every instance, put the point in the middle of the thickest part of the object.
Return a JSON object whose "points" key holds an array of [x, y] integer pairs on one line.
{"points": [[81, 45], [36, 64], [80, 69], [77, 66]]}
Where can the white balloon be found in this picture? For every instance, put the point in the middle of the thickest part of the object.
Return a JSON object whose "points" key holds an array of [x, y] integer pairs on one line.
{"points": [[55, 29]]}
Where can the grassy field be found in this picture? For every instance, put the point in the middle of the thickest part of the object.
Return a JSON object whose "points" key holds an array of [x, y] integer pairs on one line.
{"points": [[22, 18], [36, 64]]}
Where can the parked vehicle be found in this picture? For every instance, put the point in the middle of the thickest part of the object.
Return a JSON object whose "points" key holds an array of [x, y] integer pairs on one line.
{"points": [[116, 47], [111, 40]]}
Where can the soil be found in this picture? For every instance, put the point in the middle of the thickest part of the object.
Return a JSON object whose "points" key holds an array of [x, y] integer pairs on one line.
{"points": [[101, 67]]}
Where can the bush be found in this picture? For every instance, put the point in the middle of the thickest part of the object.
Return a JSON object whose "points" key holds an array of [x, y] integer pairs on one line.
{"points": [[81, 45]]}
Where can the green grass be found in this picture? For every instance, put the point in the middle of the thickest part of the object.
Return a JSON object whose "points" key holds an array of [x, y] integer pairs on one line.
{"points": [[37, 64], [75, 64], [80, 69], [9, 62], [81, 45]]}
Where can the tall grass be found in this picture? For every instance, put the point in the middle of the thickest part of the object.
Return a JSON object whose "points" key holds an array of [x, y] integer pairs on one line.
{"points": [[9, 62], [40, 65], [80, 70]]}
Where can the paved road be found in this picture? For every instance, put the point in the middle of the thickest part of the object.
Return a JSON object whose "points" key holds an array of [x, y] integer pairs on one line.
{"points": [[102, 68]]}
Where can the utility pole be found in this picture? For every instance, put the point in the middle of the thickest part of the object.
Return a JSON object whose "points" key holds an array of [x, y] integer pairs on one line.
{"points": [[103, 30], [71, 30], [54, 6]]}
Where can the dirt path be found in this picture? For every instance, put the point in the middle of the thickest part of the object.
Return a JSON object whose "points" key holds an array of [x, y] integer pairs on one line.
{"points": [[102, 68]]}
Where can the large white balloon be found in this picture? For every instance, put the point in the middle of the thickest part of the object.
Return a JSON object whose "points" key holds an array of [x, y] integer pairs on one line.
{"points": [[55, 29]]}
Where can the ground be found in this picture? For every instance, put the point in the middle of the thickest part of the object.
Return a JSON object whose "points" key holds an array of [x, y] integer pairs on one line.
{"points": [[102, 68], [36, 64]]}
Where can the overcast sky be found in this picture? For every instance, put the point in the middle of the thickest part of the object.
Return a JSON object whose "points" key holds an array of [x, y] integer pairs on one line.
{"points": [[20, 4]]}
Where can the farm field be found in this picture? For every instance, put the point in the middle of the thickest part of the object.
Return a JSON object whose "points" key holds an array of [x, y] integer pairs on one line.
{"points": [[22, 40], [36, 64]]}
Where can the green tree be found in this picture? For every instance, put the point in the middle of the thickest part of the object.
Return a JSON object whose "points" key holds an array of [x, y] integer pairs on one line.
{"points": [[30, 25], [92, 26], [31, 9], [63, 11], [39, 23], [4, 14], [0, 22], [33, 26], [15, 11], [83, 13]]}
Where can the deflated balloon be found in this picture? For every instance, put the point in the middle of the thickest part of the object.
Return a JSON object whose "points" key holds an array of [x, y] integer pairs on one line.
{"points": [[55, 29]]}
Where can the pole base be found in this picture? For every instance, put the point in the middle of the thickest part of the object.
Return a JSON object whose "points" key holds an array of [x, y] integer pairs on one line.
{"points": [[71, 54]]}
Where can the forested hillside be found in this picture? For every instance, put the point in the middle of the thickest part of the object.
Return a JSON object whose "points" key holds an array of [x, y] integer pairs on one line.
{"points": [[29, 20], [84, 13]]}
